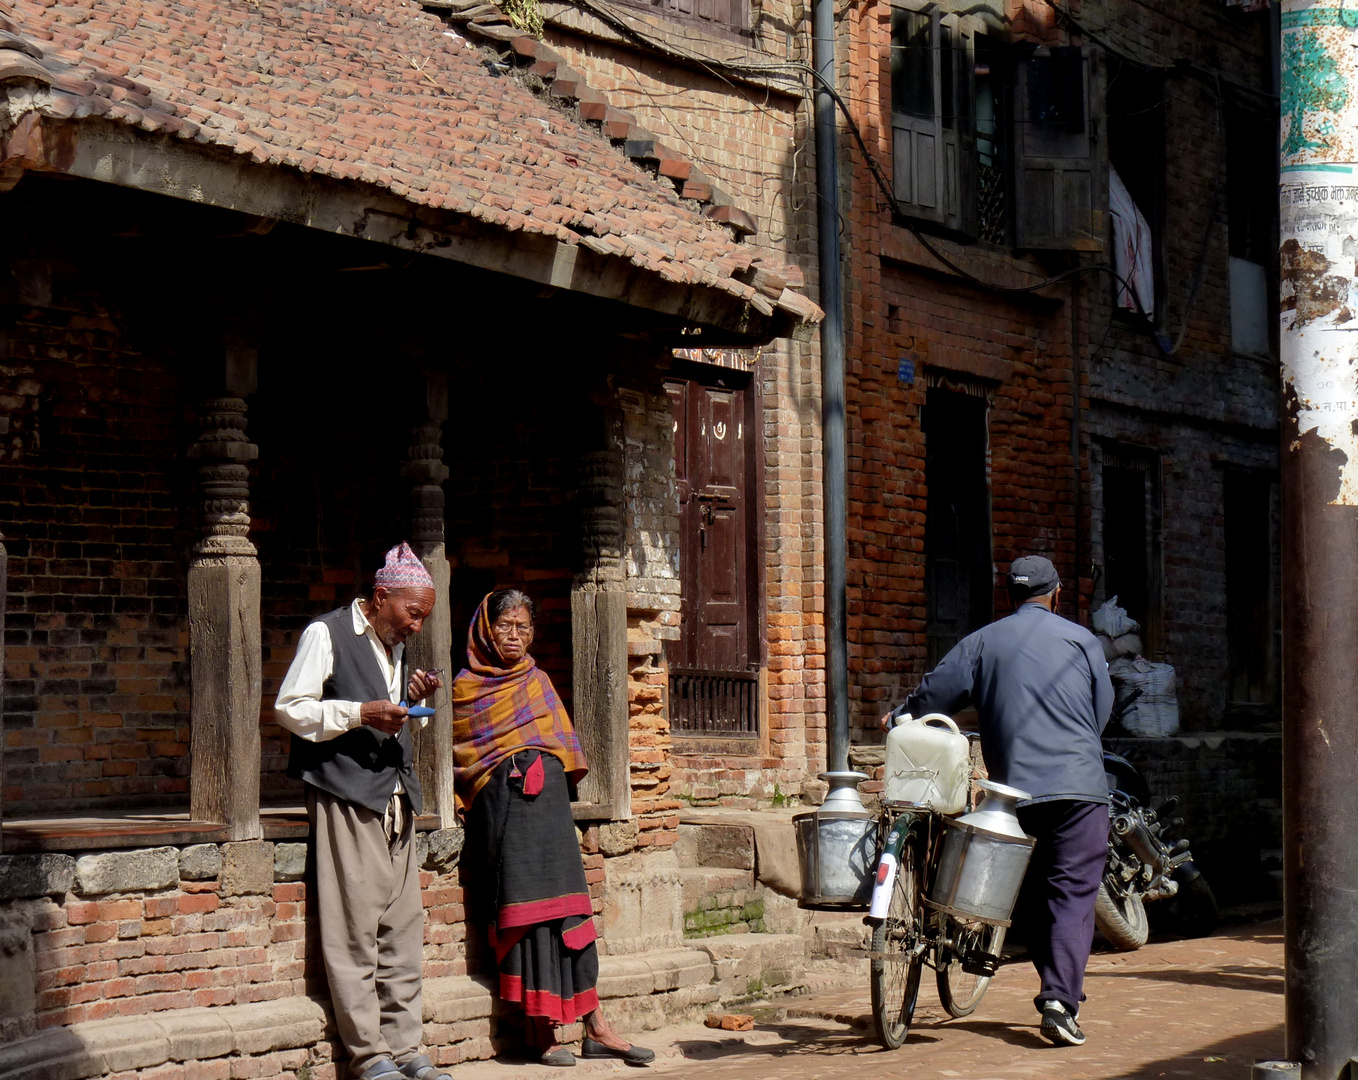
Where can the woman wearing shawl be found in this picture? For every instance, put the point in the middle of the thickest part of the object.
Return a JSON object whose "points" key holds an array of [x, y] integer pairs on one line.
{"points": [[514, 747]]}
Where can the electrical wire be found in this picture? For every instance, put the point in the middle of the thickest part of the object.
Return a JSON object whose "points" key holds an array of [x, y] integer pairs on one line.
{"points": [[874, 167], [1009, 290], [791, 69], [1179, 64]]}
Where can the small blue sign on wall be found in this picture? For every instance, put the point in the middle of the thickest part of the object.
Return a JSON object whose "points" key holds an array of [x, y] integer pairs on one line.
{"points": [[905, 371]]}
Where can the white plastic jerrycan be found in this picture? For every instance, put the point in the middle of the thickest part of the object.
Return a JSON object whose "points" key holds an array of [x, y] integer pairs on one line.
{"points": [[928, 763]]}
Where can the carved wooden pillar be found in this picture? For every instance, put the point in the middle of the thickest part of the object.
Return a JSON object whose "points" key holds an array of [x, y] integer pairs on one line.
{"points": [[599, 633], [224, 632], [424, 470]]}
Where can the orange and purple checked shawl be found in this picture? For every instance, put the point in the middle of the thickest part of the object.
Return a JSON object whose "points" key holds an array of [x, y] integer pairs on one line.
{"points": [[499, 711]]}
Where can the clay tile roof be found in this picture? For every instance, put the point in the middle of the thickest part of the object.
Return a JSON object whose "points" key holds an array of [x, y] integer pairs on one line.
{"points": [[373, 91]]}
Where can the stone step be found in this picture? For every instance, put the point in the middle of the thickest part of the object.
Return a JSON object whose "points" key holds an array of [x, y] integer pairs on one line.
{"points": [[748, 964], [702, 885], [722, 846]]}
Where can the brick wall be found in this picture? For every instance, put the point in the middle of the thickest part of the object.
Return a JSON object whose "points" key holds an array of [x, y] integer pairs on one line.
{"points": [[141, 932], [1031, 480], [1230, 799], [512, 517], [1203, 408], [1200, 408], [95, 496], [651, 565], [326, 501], [329, 500], [753, 141]]}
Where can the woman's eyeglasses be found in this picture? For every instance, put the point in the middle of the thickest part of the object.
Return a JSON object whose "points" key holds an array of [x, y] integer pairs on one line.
{"points": [[518, 630]]}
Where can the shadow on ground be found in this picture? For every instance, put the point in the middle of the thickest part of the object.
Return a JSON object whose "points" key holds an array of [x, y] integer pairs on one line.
{"points": [[1229, 1059], [1268, 980]]}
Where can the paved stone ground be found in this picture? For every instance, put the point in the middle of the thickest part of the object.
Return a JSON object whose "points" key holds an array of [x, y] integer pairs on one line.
{"points": [[1206, 1008]]}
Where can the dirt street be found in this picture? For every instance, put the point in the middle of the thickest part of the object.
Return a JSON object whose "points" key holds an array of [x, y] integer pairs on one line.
{"points": [[1204, 1008]]}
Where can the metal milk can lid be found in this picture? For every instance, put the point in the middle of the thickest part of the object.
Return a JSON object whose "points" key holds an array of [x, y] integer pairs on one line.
{"points": [[996, 814]]}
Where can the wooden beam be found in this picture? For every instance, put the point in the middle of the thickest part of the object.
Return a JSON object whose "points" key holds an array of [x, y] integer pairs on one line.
{"points": [[110, 153], [599, 645]]}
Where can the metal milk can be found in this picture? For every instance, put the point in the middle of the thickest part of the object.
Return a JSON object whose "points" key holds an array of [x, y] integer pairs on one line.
{"points": [[837, 848], [984, 856]]}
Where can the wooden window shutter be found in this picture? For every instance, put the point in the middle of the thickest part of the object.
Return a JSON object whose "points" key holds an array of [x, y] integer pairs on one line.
{"points": [[1058, 173], [917, 156], [930, 114]]}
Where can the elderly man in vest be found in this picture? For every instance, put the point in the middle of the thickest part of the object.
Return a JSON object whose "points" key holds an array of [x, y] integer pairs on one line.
{"points": [[344, 700]]}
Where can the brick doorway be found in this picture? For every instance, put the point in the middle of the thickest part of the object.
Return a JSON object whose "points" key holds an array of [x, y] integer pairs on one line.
{"points": [[714, 678], [959, 576]]}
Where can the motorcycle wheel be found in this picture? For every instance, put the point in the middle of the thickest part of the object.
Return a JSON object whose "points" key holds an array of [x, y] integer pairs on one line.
{"points": [[1193, 910], [896, 966], [960, 991], [1121, 917]]}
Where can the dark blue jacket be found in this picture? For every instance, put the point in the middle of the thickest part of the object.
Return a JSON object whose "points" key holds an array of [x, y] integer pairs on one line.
{"points": [[1040, 684]]}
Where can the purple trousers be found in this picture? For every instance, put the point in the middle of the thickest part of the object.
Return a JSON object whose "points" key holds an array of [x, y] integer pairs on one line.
{"points": [[1056, 906]]}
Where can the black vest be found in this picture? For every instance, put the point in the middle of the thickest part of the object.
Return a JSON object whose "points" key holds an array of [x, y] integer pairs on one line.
{"points": [[362, 765]]}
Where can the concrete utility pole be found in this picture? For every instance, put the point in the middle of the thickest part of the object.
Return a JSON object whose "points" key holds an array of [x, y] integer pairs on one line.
{"points": [[1319, 352], [833, 455]]}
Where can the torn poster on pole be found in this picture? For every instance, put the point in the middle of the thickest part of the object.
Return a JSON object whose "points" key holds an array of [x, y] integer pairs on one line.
{"points": [[1317, 228]]}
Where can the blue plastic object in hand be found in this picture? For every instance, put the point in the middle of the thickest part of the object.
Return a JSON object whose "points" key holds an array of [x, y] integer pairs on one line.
{"points": [[418, 711]]}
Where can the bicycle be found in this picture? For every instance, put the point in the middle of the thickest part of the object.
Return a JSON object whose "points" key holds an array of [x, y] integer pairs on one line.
{"points": [[913, 931]]}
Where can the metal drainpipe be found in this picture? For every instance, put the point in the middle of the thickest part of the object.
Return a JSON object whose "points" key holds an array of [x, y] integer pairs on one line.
{"points": [[833, 458], [1076, 370], [1319, 457]]}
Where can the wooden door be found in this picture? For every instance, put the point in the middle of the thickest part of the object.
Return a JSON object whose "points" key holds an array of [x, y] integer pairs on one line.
{"points": [[710, 468], [713, 679]]}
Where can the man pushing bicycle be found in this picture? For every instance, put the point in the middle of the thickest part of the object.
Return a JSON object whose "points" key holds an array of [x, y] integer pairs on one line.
{"points": [[1040, 685]]}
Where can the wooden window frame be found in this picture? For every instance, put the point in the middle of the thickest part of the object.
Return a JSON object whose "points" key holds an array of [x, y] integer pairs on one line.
{"points": [[1060, 176], [932, 156], [1054, 175]]}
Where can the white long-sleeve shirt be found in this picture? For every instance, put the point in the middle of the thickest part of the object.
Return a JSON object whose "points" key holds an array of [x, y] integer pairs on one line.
{"points": [[299, 707]]}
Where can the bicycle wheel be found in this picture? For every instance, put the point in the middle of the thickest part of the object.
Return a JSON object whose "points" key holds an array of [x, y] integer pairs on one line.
{"points": [[896, 964], [961, 990]]}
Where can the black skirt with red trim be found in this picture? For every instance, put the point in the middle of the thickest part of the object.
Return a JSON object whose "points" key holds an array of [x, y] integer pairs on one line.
{"points": [[527, 883]]}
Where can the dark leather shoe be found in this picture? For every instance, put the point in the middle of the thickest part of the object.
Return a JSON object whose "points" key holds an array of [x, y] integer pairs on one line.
{"points": [[421, 1068], [633, 1055], [560, 1057], [381, 1069]]}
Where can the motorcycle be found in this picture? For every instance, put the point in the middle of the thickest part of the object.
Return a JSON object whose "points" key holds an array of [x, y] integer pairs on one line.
{"points": [[1144, 864]]}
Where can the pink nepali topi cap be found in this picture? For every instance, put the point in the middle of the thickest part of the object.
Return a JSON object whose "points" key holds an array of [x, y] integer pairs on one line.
{"points": [[403, 571]]}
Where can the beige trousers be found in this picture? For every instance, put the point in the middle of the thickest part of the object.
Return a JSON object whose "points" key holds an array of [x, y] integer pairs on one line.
{"points": [[371, 923]]}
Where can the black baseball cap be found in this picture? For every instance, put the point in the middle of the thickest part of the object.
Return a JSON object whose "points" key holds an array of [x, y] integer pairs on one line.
{"points": [[1032, 575]]}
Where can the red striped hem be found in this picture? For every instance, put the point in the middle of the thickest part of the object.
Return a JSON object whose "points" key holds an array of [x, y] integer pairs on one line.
{"points": [[503, 942], [578, 937], [546, 1004], [537, 911]]}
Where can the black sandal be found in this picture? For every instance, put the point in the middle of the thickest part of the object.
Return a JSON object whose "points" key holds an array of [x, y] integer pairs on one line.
{"points": [[633, 1055], [560, 1057]]}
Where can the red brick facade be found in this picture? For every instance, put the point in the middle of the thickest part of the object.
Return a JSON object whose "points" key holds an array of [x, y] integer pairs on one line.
{"points": [[1202, 409], [749, 134], [94, 482]]}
